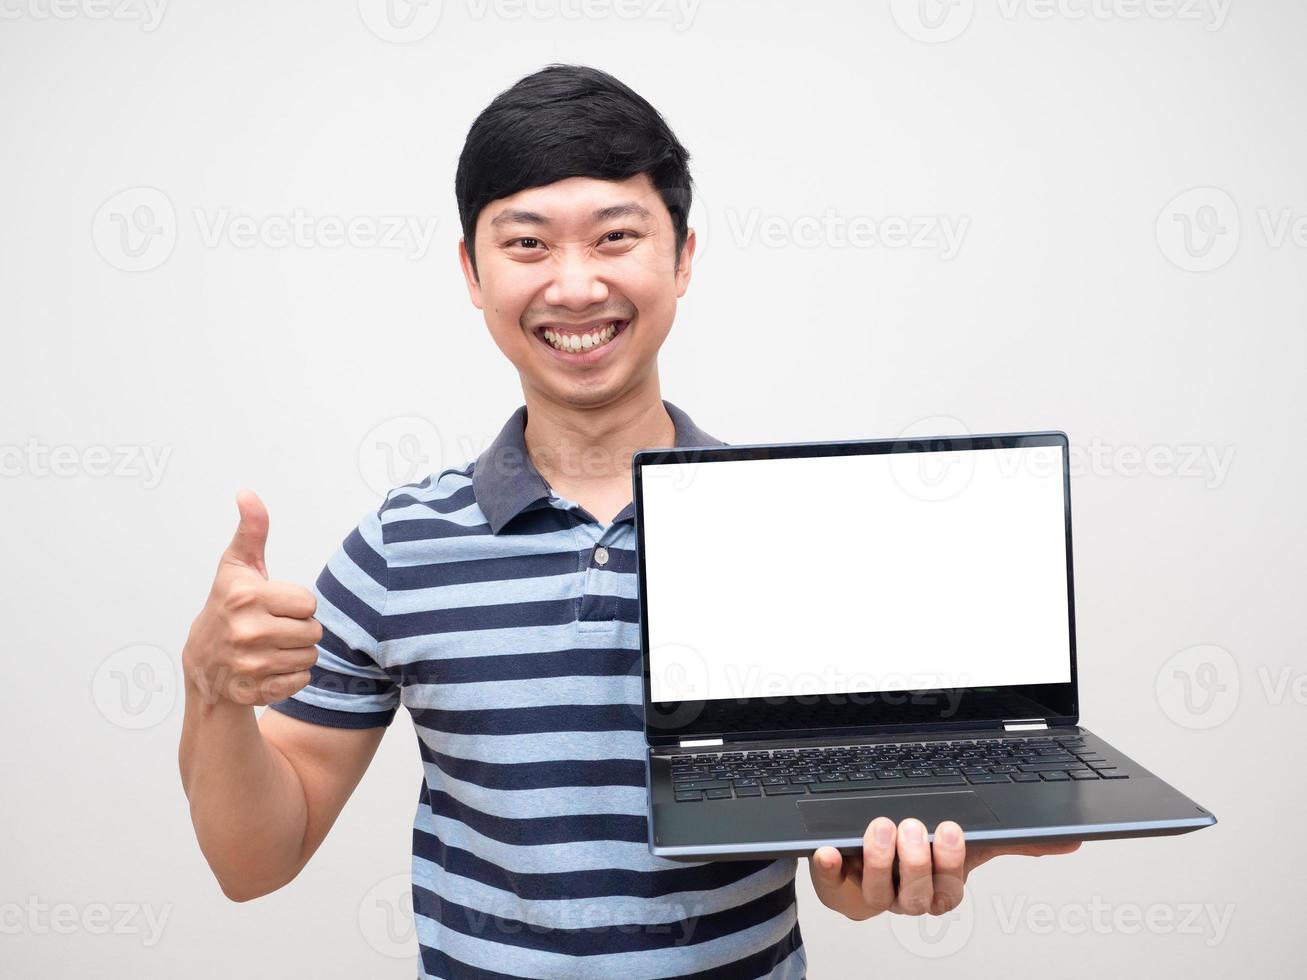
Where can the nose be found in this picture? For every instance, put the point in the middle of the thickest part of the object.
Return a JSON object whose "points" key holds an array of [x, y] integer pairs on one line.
{"points": [[576, 284]]}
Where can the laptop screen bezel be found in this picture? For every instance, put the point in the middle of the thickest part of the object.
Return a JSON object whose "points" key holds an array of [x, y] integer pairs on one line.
{"points": [[1058, 703]]}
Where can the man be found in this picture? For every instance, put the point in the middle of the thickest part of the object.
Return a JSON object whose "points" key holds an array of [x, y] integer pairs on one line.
{"points": [[497, 602]]}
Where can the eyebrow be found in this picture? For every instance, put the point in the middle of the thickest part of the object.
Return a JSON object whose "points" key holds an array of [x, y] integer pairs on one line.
{"points": [[517, 216]]}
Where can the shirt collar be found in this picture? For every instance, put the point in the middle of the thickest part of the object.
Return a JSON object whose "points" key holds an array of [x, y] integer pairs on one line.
{"points": [[506, 482]]}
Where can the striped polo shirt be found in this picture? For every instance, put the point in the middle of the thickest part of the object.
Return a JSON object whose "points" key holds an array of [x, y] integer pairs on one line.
{"points": [[505, 618]]}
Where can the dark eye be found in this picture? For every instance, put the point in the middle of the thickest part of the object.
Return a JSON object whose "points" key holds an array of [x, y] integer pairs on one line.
{"points": [[528, 242], [624, 236]]}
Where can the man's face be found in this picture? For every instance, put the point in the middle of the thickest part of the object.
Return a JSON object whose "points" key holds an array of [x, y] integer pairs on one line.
{"points": [[578, 281]]}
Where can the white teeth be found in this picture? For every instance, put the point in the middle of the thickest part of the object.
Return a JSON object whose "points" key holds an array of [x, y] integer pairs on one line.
{"points": [[577, 342]]}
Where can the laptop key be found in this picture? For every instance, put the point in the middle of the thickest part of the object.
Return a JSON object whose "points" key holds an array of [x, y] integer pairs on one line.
{"points": [[989, 777], [848, 785], [748, 790], [704, 784], [1054, 777], [786, 790], [1083, 774], [683, 797], [1025, 777], [931, 781], [1112, 774], [717, 794], [851, 785], [1051, 766]]}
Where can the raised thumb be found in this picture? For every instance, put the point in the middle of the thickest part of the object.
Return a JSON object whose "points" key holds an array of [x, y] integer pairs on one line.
{"points": [[251, 537]]}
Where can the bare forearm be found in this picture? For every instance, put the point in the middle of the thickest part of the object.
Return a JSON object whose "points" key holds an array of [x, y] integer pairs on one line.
{"points": [[247, 803]]}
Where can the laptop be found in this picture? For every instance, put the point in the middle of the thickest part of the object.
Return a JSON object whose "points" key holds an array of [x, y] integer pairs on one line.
{"points": [[835, 631]]}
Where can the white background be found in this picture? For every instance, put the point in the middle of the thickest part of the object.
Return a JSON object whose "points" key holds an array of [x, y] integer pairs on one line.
{"points": [[853, 573], [1069, 144]]}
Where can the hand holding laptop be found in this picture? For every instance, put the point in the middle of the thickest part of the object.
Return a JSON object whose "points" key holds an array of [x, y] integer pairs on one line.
{"points": [[900, 871], [904, 648]]}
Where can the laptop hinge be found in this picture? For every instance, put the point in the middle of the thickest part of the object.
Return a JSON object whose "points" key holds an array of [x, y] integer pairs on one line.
{"points": [[688, 742], [1024, 724]]}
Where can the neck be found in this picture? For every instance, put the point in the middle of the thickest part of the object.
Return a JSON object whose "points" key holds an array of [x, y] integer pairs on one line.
{"points": [[592, 445]]}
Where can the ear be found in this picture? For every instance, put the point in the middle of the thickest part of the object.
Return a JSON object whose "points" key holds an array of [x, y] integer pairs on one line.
{"points": [[683, 264], [469, 275]]}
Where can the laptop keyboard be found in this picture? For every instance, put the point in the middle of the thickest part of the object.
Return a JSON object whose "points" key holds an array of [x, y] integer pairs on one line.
{"points": [[845, 768]]}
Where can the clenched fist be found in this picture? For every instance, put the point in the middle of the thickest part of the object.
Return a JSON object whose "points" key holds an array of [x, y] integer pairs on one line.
{"points": [[253, 642]]}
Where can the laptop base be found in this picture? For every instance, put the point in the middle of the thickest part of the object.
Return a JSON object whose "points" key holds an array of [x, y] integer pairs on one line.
{"points": [[1133, 803]]}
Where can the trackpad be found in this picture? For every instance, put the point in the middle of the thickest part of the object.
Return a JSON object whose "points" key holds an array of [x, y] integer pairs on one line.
{"points": [[848, 816]]}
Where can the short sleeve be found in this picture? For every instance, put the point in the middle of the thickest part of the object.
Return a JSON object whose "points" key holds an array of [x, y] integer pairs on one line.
{"points": [[349, 688]]}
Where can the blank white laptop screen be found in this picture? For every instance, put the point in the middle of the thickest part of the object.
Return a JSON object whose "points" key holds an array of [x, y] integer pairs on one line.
{"points": [[858, 573]]}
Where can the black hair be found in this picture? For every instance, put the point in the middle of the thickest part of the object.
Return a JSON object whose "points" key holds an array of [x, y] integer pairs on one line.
{"points": [[568, 121]]}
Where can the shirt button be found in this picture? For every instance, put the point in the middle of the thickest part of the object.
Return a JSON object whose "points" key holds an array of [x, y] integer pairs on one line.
{"points": [[601, 555]]}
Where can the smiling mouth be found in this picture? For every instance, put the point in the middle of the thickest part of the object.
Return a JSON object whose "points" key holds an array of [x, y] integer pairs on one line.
{"points": [[581, 340]]}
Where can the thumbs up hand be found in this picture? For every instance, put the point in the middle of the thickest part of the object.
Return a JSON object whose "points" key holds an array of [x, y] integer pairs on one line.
{"points": [[253, 642]]}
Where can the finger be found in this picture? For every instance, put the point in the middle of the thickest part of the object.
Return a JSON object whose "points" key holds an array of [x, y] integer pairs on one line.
{"points": [[277, 687], [265, 688], [289, 599], [291, 634], [827, 866], [915, 888], [976, 856], [878, 850], [251, 537], [829, 873], [948, 855], [292, 661], [260, 633]]}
